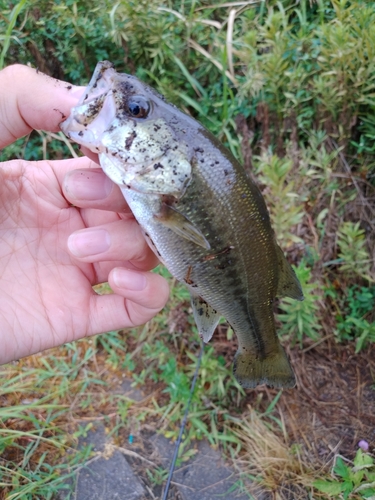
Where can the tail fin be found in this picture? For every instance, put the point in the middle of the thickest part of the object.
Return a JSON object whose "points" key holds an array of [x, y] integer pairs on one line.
{"points": [[274, 370]]}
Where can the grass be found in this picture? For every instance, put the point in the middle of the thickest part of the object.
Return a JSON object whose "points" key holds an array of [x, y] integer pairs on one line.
{"points": [[33, 433], [289, 88], [269, 460], [6, 38]]}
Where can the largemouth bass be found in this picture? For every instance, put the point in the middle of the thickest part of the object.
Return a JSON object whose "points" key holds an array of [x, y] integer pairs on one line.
{"points": [[200, 213]]}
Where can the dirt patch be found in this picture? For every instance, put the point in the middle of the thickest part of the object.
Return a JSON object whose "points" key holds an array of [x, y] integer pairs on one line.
{"points": [[328, 413], [333, 405]]}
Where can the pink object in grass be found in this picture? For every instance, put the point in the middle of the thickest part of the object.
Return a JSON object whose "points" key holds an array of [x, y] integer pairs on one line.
{"points": [[363, 445]]}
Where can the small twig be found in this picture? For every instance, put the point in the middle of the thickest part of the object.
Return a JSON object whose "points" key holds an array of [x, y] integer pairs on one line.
{"points": [[317, 343], [346, 166], [185, 486], [150, 492], [59, 137], [133, 454], [217, 482], [94, 419]]}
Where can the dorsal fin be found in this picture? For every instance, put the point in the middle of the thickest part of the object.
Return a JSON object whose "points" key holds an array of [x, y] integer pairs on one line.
{"points": [[288, 285]]}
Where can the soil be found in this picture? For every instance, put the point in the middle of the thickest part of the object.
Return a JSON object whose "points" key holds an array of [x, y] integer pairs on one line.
{"points": [[333, 406]]}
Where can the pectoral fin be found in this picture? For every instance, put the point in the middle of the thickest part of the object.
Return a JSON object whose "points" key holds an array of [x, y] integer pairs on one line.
{"points": [[176, 221], [205, 317], [288, 285]]}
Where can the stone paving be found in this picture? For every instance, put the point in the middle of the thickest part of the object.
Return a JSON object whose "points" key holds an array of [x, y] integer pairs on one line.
{"points": [[108, 475]]}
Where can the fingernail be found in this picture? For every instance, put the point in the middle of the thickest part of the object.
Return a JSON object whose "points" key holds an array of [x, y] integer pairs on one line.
{"points": [[88, 185], [130, 280], [89, 242]]}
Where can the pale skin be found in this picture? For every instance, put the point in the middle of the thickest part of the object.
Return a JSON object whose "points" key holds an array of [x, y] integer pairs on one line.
{"points": [[52, 253]]}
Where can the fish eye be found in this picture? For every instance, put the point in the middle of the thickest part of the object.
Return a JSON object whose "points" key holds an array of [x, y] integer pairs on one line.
{"points": [[138, 106]]}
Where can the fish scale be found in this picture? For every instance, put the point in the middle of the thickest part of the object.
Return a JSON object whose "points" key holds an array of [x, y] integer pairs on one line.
{"points": [[201, 214]]}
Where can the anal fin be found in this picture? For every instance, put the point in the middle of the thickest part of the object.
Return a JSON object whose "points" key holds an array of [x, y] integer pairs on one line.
{"points": [[205, 317]]}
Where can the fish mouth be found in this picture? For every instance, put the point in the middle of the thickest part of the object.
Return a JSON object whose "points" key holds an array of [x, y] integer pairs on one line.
{"points": [[100, 82], [95, 104]]}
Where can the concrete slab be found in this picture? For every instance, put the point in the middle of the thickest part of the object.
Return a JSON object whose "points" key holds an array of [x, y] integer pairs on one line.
{"points": [[109, 478], [106, 476], [205, 476]]}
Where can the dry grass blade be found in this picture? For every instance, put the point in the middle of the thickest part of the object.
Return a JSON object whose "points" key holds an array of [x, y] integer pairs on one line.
{"points": [[48, 136], [369, 208], [194, 45], [174, 12], [61, 137], [110, 448], [208, 22], [266, 453], [231, 18], [229, 4]]}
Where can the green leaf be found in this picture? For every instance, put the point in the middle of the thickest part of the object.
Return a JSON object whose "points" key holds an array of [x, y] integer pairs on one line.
{"points": [[362, 458], [273, 403], [12, 21], [341, 469], [199, 425], [330, 487]]}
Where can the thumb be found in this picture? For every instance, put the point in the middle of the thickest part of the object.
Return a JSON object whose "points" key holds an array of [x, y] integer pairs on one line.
{"points": [[32, 100]]}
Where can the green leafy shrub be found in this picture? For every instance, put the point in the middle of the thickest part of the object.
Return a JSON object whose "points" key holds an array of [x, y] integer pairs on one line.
{"points": [[300, 318], [355, 320], [358, 479], [353, 252], [307, 74], [282, 196]]}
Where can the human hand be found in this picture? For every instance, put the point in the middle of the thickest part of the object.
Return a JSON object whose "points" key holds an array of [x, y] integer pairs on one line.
{"points": [[51, 253]]}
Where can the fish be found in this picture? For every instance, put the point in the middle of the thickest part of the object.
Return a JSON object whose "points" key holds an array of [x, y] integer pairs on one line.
{"points": [[200, 213]]}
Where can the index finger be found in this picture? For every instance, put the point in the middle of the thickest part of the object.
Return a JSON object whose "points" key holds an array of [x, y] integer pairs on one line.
{"points": [[32, 100]]}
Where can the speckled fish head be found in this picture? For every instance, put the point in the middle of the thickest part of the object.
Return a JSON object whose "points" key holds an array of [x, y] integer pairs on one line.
{"points": [[130, 127]]}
